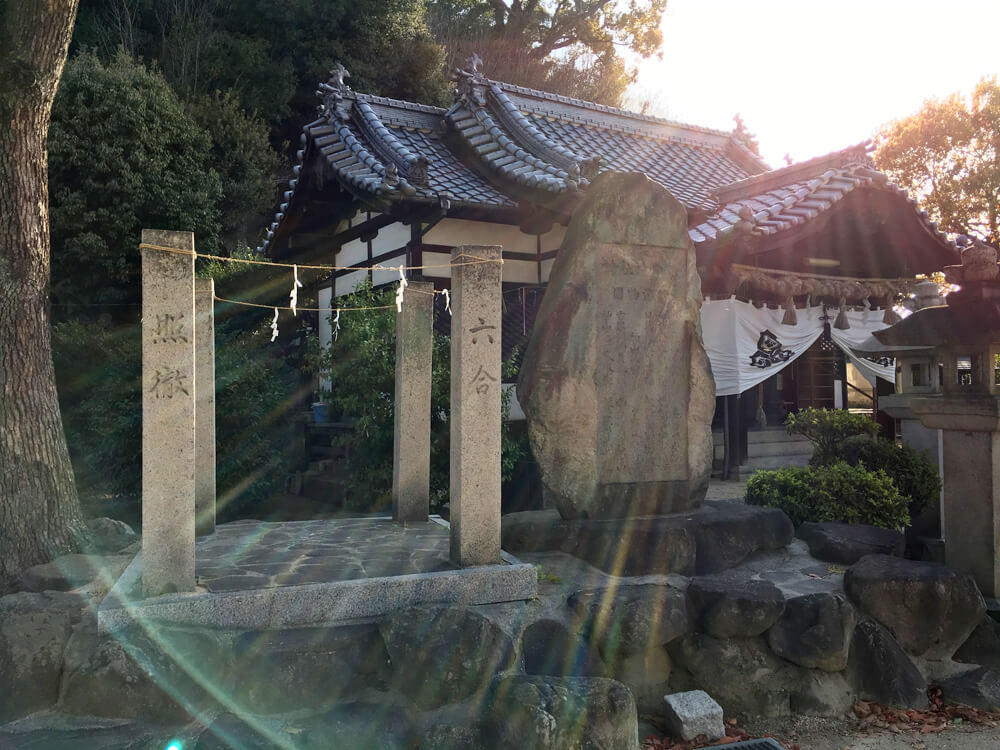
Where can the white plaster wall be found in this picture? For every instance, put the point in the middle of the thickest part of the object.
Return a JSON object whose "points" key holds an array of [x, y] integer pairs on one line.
{"points": [[438, 259], [352, 252], [552, 240], [384, 277], [545, 269], [347, 283], [455, 232], [392, 237]]}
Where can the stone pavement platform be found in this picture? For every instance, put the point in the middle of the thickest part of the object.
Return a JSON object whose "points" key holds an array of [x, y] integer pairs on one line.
{"points": [[258, 575]]}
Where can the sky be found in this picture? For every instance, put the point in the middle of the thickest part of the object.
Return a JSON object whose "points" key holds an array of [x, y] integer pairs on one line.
{"points": [[810, 77]]}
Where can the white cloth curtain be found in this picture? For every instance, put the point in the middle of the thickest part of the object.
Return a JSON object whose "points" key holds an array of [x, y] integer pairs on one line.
{"points": [[746, 345]]}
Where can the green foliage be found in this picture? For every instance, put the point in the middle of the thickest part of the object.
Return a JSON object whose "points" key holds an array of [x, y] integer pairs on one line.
{"points": [[826, 428], [833, 492], [913, 474], [99, 366], [123, 154], [360, 365], [948, 154]]}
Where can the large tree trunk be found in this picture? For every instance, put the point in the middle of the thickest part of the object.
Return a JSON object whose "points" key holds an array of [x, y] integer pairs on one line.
{"points": [[39, 510]]}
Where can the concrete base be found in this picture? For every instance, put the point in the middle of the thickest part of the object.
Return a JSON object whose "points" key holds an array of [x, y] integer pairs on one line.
{"points": [[270, 601]]}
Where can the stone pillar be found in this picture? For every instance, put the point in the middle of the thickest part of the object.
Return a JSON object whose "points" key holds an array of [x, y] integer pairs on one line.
{"points": [[411, 465], [204, 449], [168, 413], [475, 406], [971, 460]]}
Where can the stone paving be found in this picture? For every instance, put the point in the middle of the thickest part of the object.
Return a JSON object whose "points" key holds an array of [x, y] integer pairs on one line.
{"points": [[247, 555]]}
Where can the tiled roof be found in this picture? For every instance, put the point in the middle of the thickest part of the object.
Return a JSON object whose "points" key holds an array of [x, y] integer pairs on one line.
{"points": [[501, 145]]}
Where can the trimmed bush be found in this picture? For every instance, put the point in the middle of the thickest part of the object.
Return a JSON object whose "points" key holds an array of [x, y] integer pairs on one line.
{"points": [[914, 475], [833, 492], [827, 428]]}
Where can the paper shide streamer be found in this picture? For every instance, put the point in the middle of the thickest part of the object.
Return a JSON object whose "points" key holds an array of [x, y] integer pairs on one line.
{"points": [[399, 291], [336, 324], [447, 301], [274, 326], [294, 294]]}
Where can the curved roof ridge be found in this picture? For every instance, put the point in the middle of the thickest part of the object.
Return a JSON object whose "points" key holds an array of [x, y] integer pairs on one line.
{"points": [[798, 172], [521, 127]]}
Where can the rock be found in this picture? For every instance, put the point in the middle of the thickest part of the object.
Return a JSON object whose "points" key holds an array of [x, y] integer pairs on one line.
{"points": [[692, 714], [930, 609], [740, 673], [979, 687], [163, 675], [647, 675], [48, 731], [881, 671], [621, 308], [359, 724], [109, 535], [815, 692], [454, 737], [815, 631], [708, 539], [34, 630], [983, 646], [729, 607], [230, 732], [630, 619], [443, 654], [75, 570], [552, 713], [277, 671], [847, 543], [548, 649]]}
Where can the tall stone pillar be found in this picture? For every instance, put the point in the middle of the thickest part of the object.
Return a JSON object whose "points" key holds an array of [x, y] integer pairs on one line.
{"points": [[204, 449], [411, 466], [475, 406], [168, 413]]}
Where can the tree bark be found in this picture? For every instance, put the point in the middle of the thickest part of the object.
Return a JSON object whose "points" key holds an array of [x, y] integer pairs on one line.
{"points": [[40, 514]]}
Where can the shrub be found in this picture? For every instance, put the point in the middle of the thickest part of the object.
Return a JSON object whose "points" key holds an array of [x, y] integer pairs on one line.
{"points": [[360, 365], [832, 492], [826, 428], [99, 370], [914, 475]]}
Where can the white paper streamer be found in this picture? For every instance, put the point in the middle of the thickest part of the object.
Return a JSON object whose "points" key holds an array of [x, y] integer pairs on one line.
{"points": [[399, 291], [447, 300], [294, 295], [336, 324], [274, 326]]}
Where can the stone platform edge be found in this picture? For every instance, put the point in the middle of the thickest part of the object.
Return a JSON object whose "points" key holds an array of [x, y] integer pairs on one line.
{"points": [[315, 604]]}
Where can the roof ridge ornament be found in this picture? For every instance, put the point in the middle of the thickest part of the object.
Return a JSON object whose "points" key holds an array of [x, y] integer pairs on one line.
{"points": [[333, 93], [471, 81]]}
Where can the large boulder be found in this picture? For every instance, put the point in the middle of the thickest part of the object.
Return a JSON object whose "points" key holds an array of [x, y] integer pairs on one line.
{"points": [[815, 631], [881, 671], [816, 692], [443, 654], [160, 674], [740, 673], [929, 608], [109, 535], [631, 619], [621, 308], [983, 646], [75, 570], [552, 713], [729, 607], [34, 630], [282, 670], [979, 687], [548, 648], [846, 543]]}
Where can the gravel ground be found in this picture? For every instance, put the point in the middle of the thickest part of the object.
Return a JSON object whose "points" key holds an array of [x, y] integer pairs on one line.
{"points": [[812, 733]]}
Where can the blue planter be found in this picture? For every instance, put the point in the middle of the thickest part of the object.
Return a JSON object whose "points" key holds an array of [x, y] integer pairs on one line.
{"points": [[321, 413]]}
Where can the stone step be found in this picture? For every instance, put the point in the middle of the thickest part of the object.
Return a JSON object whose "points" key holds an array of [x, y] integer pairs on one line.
{"points": [[775, 462], [766, 435], [317, 487], [789, 448]]}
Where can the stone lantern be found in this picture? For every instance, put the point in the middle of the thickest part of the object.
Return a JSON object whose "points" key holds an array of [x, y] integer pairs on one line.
{"points": [[961, 341]]}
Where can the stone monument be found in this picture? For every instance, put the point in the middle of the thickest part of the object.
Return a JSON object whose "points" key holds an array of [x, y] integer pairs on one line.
{"points": [[615, 384]]}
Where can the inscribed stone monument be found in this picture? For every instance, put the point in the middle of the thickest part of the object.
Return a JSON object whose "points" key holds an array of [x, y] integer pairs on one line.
{"points": [[615, 384]]}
